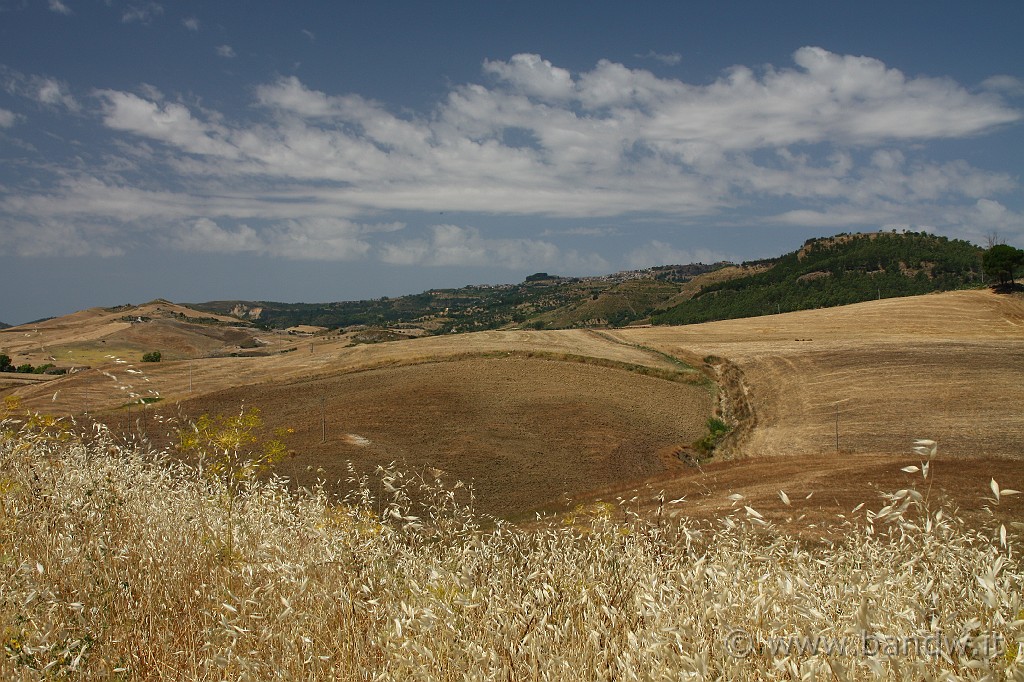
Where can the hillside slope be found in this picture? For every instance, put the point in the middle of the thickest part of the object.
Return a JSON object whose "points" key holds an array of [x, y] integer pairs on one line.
{"points": [[825, 272], [837, 271], [540, 301], [90, 337]]}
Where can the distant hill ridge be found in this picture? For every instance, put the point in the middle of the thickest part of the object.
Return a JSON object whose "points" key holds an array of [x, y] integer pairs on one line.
{"points": [[829, 271]]}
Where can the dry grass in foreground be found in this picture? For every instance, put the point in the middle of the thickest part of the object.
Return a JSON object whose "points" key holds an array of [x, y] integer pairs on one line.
{"points": [[117, 565]]}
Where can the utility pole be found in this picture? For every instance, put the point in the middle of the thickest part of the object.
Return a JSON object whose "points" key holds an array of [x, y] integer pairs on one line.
{"points": [[323, 419], [190, 375], [837, 427]]}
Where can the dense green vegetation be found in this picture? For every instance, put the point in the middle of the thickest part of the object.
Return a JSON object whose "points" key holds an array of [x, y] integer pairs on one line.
{"points": [[838, 271], [1002, 262], [6, 365]]}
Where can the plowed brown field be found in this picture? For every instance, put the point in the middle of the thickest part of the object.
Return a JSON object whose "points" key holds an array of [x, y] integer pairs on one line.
{"points": [[527, 433]]}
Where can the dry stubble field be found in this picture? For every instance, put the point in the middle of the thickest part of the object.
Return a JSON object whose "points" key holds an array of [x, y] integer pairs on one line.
{"points": [[532, 430], [948, 367]]}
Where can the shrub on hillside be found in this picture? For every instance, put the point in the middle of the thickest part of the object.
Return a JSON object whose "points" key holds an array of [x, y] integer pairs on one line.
{"points": [[152, 356], [717, 430]]}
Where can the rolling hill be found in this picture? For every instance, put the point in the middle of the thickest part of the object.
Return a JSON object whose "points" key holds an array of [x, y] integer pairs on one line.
{"points": [[824, 272], [540, 301], [544, 419]]}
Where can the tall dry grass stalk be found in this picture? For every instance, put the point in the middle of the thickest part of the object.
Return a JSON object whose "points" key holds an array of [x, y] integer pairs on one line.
{"points": [[118, 564]]}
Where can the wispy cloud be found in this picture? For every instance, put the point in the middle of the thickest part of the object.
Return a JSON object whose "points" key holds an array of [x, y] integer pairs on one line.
{"points": [[191, 23], [226, 51], [657, 252], [1009, 85], [302, 239], [7, 118], [44, 90], [141, 12], [466, 246], [670, 59], [59, 7], [582, 232]]}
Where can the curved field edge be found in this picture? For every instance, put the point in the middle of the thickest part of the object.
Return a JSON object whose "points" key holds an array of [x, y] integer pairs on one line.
{"points": [[120, 565]]}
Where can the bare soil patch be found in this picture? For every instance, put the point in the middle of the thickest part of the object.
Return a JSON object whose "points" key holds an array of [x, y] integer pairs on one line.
{"points": [[528, 434]]}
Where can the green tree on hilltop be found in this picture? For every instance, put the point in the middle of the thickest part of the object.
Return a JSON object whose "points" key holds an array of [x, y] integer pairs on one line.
{"points": [[1002, 261]]}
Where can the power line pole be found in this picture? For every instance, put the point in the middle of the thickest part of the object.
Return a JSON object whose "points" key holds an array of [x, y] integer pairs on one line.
{"points": [[837, 427]]}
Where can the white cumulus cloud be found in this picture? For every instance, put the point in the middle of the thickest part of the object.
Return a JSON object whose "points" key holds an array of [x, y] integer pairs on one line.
{"points": [[828, 140]]}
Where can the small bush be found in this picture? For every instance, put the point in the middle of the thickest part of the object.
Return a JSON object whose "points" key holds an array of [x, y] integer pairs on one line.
{"points": [[717, 430], [152, 356]]}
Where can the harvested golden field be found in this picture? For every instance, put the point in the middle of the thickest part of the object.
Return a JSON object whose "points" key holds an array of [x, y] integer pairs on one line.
{"points": [[948, 367], [88, 337], [533, 420], [536, 418], [943, 366]]}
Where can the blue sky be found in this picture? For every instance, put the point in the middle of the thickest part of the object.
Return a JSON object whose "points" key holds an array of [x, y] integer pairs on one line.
{"points": [[322, 151]]}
